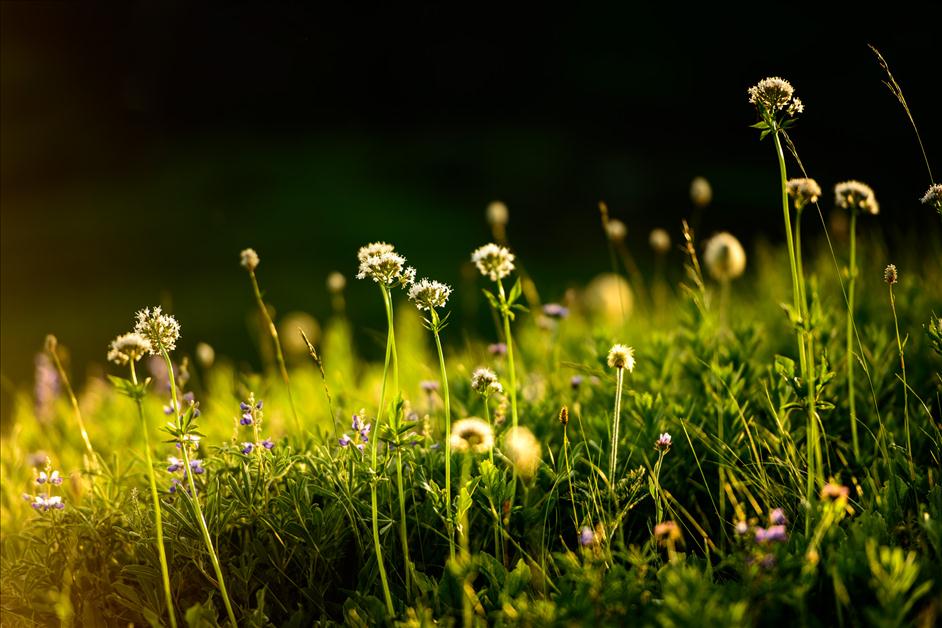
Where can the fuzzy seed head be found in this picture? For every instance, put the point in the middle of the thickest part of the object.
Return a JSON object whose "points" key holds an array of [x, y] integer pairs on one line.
{"points": [[471, 435], [523, 449], [803, 191], [127, 348], [336, 282], [161, 330], [856, 196], [774, 94], [484, 381], [724, 257], [494, 261], [701, 192], [621, 357], [497, 214], [889, 274], [249, 259], [660, 241], [615, 230], [429, 294]]}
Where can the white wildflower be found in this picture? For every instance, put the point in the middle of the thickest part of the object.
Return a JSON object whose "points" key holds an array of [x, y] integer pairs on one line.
{"points": [[493, 261], [373, 249], [429, 294], [161, 330], [523, 449], [774, 94], [128, 347], [724, 256], [803, 191], [856, 196], [621, 357], [386, 268], [249, 259], [660, 240]]}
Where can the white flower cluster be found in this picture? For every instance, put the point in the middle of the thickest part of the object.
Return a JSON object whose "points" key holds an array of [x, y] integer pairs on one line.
{"points": [[380, 262], [429, 294], [803, 191], [161, 330], [484, 382], [128, 347], [774, 94], [248, 258], [495, 262], [856, 196]]}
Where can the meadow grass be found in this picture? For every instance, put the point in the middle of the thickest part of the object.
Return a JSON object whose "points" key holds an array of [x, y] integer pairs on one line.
{"points": [[688, 463]]}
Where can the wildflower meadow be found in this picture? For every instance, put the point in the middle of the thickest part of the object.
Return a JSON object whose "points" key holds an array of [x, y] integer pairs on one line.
{"points": [[711, 432]]}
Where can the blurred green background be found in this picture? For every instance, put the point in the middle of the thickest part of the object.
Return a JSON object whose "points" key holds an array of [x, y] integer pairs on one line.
{"points": [[145, 144]]}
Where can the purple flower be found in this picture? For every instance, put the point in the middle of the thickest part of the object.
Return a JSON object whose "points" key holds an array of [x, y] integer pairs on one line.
{"points": [[429, 385], [268, 444], [247, 448], [777, 517], [345, 441], [246, 419], [244, 407], [663, 442], [258, 406], [196, 412], [174, 483], [365, 430], [497, 348], [168, 409], [576, 381], [775, 534], [555, 310], [189, 397], [586, 536], [197, 466], [357, 423], [175, 464], [360, 447]]}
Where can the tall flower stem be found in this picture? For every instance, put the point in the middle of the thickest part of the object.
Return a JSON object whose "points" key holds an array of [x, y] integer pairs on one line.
{"points": [[373, 463], [91, 459], [441, 363], [658, 500], [200, 519], [158, 518], [505, 313], [572, 496], [851, 283], [613, 461], [279, 354], [902, 363]]}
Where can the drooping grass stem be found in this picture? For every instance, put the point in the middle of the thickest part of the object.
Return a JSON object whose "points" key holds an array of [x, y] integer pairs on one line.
{"points": [[194, 499], [158, 518]]}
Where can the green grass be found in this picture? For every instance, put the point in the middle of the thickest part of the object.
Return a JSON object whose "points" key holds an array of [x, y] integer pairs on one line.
{"points": [[293, 527]]}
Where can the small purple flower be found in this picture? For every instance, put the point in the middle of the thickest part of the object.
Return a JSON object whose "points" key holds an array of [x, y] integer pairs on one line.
{"points": [[189, 397], [345, 441], [663, 442], [497, 348], [776, 534], [777, 517], [555, 310], [246, 419], [576, 381], [174, 483], [197, 466], [196, 413], [168, 409], [247, 448], [586, 536], [429, 385], [175, 464], [365, 430], [258, 406], [244, 407], [268, 444], [357, 423]]}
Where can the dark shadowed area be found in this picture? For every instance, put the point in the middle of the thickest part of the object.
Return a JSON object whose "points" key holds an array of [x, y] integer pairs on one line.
{"points": [[145, 143]]}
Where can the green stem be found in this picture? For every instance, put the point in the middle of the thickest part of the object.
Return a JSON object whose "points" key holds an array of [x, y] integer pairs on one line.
{"points": [[158, 519], [510, 352], [613, 462], [851, 282], [815, 461], [441, 364], [572, 496], [373, 463], [92, 459], [902, 363], [200, 519], [279, 355], [658, 505]]}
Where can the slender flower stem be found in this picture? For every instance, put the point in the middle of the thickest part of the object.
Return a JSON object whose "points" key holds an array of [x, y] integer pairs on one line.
{"points": [[505, 313], [851, 282], [158, 518], [902, 363], [658, 500], [200, 519], [572, 496], [373, 448], [92, 459], [279, 355], [613, 462], [441, 364]]}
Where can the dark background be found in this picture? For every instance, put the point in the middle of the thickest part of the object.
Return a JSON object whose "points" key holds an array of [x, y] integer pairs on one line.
{"points": [[145, 143]]}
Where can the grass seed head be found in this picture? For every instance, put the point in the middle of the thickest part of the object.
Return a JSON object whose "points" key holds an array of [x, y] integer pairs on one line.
{"points": [[889, 274]]}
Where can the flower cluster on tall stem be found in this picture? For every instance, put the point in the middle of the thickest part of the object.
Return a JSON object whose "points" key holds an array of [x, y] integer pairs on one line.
{"points": [[162, 332], [620, 358], [43, 500]]}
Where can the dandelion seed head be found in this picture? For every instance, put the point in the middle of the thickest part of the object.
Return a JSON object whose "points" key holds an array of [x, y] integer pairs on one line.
{"points": [[660, 240], [248, 258], [497, 214], [615, 230], [803, 191], [890, 275], [373, 249], [428, 294], [493, 261], [336, 282], [856, 196], [127, 348], [161, 330], [701, 192], [471, 435], [724, 257], [523, 449], [772, 95], [621, 357]]}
